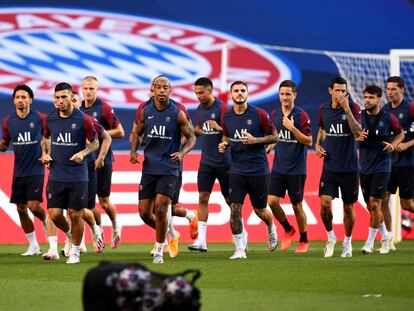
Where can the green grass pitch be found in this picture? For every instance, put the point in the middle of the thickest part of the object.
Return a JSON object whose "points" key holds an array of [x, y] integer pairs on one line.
{"points": [[263, 281]]}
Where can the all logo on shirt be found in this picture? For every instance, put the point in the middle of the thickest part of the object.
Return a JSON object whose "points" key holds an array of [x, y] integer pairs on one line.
{"points": [[44, 46], [24, 138]]}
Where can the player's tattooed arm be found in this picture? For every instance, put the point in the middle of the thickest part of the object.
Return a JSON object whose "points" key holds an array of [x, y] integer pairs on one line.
{"points": [[139, 131], [320, 152], [249, 139], [106, 143], [46, 144], [91, 147]]}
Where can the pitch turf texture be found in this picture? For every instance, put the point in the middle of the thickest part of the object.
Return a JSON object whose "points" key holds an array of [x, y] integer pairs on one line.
{"points": [[263, 281]]}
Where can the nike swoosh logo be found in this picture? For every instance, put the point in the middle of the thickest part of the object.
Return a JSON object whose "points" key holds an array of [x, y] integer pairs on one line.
{"points": [[36, 190], [150, 117]]}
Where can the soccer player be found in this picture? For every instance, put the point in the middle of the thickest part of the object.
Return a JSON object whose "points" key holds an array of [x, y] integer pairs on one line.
{"points": [[103, 112], [289, 164], [24, 129], [246, 131], [69, 130], [213, 164], [375, 148], [162, 124], [339, 124], [92, 215], [402, 170]]}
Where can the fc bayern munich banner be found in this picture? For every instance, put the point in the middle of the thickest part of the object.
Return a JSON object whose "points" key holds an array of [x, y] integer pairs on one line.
{"points": [[43, 46]]}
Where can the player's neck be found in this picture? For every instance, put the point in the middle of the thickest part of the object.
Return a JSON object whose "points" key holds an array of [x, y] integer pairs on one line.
{"points": [[67, 113], [373, 112], [209, 103], [89, 103], [240, 108], [397, 103], [22, 113], [286, 110], [160, 105]]}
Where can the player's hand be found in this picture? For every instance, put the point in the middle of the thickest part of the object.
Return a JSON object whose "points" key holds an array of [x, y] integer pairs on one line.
{"points": [[213, 124], [78, 157], [388, 147], [248, 139], [177, 157], [270, 147], [401, 147], [99, 162], [320, 152], [288, 123], [45, 159], [342, 99], [362, 136], [133, 158], [222, 146]]}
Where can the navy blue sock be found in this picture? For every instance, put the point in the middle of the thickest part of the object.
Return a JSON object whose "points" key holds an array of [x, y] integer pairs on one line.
{"points": [[286, 225], [303, 237]]}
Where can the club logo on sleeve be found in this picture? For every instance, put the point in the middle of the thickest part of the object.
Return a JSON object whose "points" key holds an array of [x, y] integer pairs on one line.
{"points": [[42, 47]]}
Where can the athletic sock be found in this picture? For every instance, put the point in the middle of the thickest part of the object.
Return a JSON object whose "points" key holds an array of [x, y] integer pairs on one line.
{"points": [[347, 240], [96, 230], [68, 236], [331, 235], [75, 250], [372, 232], [53, 243], [202, 231], [32, 239], [159, 248], [189, 215], [238, 241], [286, 225], [383, 230], [303, 237], [171, 228]]}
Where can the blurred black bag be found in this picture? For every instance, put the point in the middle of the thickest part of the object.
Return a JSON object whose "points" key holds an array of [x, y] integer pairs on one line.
{"points": [[128, 287]]}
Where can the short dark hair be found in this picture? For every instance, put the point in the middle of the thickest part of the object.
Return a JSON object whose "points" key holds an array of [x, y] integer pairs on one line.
{"points": [[23, 87], [288, 83], [396, 79], [337, 80], [374, 90], [238, 82], [204, 81], [63, 86]]}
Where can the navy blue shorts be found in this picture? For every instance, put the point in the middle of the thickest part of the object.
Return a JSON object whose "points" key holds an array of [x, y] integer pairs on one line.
{"points": [[92, 184], [178, 184], [104, 181], [347, 182], [66, 195], [374, 185], [151, 185], [402, 178], [257, 187], [28, 188], [293, 184], [207, 175]]}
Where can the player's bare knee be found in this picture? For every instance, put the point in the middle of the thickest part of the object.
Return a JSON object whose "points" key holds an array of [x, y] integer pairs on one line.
{"points": [[22, 209]]}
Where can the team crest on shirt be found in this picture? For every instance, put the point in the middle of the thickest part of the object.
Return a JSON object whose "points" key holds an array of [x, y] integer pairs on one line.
{"points": [[249, 122], [95, 114], [167, 119], [45, 46], [400, 115], [343, 117], [31, 125], [73, 125], [213, 116]]}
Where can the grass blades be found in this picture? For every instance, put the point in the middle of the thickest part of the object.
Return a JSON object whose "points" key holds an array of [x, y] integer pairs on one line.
{"points": [[263, 281]]}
